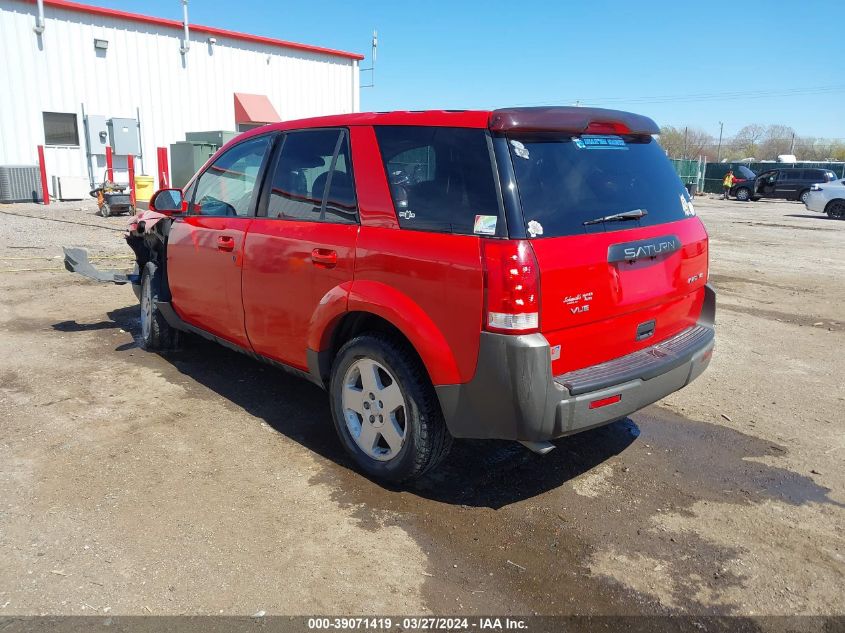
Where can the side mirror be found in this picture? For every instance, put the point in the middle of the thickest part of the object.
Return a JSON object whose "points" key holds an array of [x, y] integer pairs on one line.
{"points": [[167, 201]]}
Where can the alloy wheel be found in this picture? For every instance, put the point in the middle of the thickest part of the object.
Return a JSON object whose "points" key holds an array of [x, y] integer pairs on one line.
{"points": [[374, 409]]}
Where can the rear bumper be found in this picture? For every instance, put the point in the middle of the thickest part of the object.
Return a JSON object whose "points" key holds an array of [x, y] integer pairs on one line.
{"points": [[514, 395]]}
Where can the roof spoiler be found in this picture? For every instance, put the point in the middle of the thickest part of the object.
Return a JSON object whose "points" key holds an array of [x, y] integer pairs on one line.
{"points": [[571, 119]]}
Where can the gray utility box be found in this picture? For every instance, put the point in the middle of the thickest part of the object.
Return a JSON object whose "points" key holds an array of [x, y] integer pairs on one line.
{"points": [[98, 134], [20, 183], [217, 137], [186, 158], [124, 136]]}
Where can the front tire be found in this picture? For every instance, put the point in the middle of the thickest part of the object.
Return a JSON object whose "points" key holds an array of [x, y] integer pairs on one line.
{"points": [[105, 210], [802, 197], [156, 333], [743, 194], [385, 410]]}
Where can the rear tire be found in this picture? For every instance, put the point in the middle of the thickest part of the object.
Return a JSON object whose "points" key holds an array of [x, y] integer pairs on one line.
{"points": [[385, 410], [836, 210], [105, 210], [156, 333], [743, 194]]}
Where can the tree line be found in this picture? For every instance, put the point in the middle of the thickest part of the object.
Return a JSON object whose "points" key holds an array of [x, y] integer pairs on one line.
{"points": [[760, 142]]}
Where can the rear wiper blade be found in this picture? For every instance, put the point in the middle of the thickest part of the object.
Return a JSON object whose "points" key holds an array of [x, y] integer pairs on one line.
{"points": [[634, 214]]}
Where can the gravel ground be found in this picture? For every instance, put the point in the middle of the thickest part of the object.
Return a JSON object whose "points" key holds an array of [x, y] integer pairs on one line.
{"points": [[201, 482]]}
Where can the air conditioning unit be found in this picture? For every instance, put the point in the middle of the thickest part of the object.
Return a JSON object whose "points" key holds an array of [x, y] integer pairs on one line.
{"points": [[20, 183], [70, 188]]}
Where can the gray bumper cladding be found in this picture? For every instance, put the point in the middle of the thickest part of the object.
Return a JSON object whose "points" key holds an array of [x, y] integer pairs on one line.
{"points": [[76, 261], [514, 396]]}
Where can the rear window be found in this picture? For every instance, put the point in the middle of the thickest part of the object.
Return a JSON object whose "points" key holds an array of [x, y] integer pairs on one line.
{"points": [[568, 184], [441, 178]]}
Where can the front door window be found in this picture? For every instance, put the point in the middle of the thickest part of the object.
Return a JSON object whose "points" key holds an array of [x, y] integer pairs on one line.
{"points": [[227, 188]]}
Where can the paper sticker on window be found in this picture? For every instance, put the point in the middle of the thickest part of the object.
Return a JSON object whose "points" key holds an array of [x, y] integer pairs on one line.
{"points": [[534, 228], [520, 150], [687, 206], [485, 225], [599, 142]]}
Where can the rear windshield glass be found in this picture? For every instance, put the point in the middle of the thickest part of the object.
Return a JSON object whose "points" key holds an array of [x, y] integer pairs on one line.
{"points": [[567, 184], [441, 178]]}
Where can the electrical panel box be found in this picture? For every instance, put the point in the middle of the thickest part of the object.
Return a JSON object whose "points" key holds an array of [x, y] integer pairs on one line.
{"points": [[186, 158], [123, 134], [98, 134], [216, 137]]}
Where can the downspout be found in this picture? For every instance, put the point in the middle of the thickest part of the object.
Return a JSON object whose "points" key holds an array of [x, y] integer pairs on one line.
{"points": [[39, 18], [186, 43]]}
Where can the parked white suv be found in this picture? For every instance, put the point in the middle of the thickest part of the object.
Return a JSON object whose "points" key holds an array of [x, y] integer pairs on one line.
{"points": [[827, 198]]}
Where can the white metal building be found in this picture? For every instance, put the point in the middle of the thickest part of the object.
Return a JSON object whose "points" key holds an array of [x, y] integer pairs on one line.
{"points": [[82, 61]]}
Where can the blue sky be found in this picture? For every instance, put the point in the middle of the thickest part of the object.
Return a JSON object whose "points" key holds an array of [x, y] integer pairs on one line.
{"points": [[674, 61]]}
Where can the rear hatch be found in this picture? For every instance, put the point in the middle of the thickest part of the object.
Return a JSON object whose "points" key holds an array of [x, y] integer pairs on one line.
{"points": [[622, 257]]}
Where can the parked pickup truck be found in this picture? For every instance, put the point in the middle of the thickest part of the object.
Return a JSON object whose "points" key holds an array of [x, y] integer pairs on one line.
{"points": [[521, 274]]}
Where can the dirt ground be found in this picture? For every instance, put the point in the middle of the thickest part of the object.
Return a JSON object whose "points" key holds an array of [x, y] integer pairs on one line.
{"points": [[202, 482]]}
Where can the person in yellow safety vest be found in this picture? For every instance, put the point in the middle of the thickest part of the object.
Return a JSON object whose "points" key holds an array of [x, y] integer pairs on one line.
{"points": [[727, 183]]}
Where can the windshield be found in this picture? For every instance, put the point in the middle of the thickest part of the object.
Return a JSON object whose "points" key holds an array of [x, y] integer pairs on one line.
{"points": [[744, 172], [572, 185]]}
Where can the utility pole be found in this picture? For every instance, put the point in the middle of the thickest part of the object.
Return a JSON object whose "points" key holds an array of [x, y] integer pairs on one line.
{"points": [[719, 151], [685, 142], [792, 145]]}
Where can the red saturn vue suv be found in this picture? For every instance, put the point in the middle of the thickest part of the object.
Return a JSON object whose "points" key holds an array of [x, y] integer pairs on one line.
{"points": [[520, 274]]}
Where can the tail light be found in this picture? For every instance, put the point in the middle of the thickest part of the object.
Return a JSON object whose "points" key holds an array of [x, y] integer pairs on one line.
{"points": [[512, 287], [607, 127]]}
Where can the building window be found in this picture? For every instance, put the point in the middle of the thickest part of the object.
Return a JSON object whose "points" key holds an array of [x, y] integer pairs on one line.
{"points": [[60, 129]]}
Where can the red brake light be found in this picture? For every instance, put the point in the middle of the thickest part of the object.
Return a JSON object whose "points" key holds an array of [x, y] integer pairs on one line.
{"points": [[607, 127], [512, 284]]}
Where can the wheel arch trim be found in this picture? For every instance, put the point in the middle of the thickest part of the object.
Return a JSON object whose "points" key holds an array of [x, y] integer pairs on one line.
{"points": [[397, 309]]}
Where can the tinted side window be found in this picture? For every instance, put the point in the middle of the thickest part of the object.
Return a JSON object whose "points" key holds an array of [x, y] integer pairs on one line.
{"points": [[786, 174], [227, 186], [304, 171], [440, 178]]}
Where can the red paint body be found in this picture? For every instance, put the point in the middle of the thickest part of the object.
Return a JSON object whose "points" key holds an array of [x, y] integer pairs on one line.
{"points": [[279, 287], [45, 194], [285, 281], [624, 294]]}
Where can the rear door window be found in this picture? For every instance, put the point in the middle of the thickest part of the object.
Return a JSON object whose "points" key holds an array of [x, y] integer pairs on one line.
{"points": [[441, 178], [568, 184], [312, 179]]}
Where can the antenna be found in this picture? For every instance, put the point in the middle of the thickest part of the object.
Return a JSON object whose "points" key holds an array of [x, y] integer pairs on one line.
{"points": [[372, 68]]}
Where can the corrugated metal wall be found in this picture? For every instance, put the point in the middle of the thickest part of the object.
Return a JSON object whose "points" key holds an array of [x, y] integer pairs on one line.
{"points": [[142, 67]]}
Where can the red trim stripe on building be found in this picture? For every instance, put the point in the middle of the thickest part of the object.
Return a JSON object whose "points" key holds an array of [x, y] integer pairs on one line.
{"points": [[207, 30]]}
